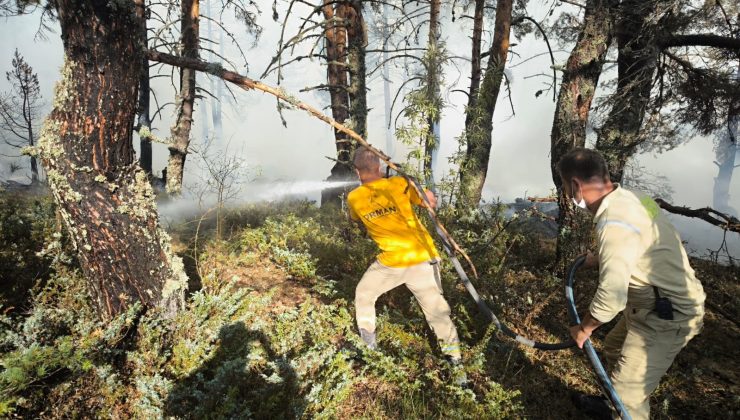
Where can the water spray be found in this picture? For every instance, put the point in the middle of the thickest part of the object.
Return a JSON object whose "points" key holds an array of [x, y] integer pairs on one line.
{"points": [[258, 192]]}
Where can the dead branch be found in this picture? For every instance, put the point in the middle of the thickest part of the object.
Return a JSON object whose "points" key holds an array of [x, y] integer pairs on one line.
{"points": [[700, 40], [543, 199], [574, 3], [707, 214], [549, 49]]}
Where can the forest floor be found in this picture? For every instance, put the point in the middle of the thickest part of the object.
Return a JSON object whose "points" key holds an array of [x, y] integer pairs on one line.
{"points": [[704, 381], [268, 329]]}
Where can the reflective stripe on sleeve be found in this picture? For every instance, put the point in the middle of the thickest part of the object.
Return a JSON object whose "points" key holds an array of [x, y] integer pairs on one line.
{"points": [[602, 224]]}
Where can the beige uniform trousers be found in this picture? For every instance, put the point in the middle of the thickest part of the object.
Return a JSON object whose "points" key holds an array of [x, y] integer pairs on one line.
{"points": [[640, 349], [424, 282]]}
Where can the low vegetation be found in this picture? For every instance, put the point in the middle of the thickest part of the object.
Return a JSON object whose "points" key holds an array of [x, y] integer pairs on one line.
{"points": [[269, 330]]}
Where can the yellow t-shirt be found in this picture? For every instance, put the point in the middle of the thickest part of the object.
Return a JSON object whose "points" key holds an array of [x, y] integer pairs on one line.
{"points": [[385, 208]]}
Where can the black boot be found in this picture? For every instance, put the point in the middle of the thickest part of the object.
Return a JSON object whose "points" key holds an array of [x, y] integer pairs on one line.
{"points": [[594, 406]]}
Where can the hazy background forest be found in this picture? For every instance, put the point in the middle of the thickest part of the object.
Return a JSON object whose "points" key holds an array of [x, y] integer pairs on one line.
{"points": [[519, 164], [229, 294]]}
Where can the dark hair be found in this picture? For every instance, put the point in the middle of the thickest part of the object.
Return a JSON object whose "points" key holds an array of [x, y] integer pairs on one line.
{"points": [[584, 164], [365, 160]]}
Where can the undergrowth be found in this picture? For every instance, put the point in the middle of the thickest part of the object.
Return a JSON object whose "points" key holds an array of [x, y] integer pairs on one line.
{"points": [[269, 331], [234, 352]]}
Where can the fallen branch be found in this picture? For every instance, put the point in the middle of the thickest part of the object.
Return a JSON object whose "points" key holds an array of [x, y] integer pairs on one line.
{"points": [[542, 199], [707, 214], [246, 83]]}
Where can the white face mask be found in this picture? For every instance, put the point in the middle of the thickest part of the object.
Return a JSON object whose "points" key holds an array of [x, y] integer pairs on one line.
{"points": [[580, 204]]}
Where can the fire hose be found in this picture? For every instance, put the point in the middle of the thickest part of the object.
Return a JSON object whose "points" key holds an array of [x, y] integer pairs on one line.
{"points": [[602, 377]]}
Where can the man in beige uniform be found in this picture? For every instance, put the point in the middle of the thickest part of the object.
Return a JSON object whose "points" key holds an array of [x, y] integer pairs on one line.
{"points": [[644, 273], [408, 255]]}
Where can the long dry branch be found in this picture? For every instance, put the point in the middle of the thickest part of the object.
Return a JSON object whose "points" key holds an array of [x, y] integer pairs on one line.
{"points": [[707, 214], [246, 83], [703, 40]]}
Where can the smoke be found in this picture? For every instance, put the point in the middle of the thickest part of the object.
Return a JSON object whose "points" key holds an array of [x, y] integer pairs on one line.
{"points": [[191, 205]]}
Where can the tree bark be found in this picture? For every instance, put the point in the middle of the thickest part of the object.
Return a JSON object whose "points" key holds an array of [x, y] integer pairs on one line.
{"points": [[726, 152], [180, 138], [475, 58], [336, 14], [86, 146], [356, 43], [479, 118], [29, 117], [434, 80], [389, 138], [434, 67], [637, 60], [144, 123], [704, 40], [580, 78]]}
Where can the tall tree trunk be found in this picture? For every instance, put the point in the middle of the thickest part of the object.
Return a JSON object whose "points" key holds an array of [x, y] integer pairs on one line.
{"points": [[389, 140], [144, 123], [475, 59], [34, 167], [29, 118], [335, 37], [356, 43], [180, 138], [577, 89], [434, 67], [86, 146], [726, 153], [28, 85], [636, 61], [218, 89], [479, 121]]}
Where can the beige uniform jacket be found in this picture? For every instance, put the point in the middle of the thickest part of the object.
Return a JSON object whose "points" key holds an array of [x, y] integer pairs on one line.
{"points": [[639, 248]]}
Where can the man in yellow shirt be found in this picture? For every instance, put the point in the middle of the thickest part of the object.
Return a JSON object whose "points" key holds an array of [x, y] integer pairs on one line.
{"points": [[644, 273], [408, 255]]}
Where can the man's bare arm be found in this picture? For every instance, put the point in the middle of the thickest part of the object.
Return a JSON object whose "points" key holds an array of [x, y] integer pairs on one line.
{"points": [[432, 199], [583, 331]]}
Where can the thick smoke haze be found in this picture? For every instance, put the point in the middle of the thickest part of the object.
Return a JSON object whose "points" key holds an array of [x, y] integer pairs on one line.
{"points": [[297, 153]]}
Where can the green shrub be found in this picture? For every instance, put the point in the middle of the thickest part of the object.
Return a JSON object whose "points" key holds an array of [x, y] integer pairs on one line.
{"points": [[28, 230]]}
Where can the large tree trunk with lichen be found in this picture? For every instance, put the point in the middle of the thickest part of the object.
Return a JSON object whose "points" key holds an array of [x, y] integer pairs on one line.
{"points": [[180, 137], [479, 118], [345, 39], [580, 78], [637, 61], [86, 146]]}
